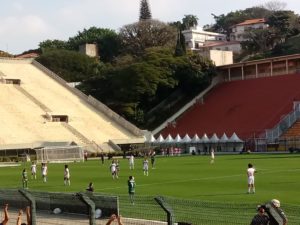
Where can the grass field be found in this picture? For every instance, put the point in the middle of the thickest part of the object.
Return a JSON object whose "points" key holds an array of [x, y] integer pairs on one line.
{"points": [[186, 177]]}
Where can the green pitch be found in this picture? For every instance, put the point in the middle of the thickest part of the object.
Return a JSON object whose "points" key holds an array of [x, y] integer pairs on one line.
{"points": [[185, 177]]}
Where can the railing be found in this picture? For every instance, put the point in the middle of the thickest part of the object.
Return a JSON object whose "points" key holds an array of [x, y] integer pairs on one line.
{"points": [[92, 101], [216, 80], [284, 124]]}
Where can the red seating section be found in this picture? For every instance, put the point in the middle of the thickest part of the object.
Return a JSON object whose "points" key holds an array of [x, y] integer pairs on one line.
{"points": [[246, 107]]}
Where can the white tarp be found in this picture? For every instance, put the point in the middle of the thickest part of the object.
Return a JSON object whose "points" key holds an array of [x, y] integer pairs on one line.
{"points": [[204, 139], [160, 139], [224, 138], [169, 139], [214, 138], [186, 139], [196, 139], [178, 139], [234, 138]]}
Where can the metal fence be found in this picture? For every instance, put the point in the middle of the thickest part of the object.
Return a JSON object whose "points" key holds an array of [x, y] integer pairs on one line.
{"points": [[96, 208]]}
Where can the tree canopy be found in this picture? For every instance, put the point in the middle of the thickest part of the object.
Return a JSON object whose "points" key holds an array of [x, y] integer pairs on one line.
{"points": [[144, 34], [70, 65]]}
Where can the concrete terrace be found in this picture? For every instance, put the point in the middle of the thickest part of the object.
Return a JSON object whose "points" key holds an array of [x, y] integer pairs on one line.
{"points": [[24, 108]]}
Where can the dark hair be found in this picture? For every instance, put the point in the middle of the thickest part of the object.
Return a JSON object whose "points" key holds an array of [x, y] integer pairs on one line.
{"points": [[130, 177], [66, 166], [250, 165]]}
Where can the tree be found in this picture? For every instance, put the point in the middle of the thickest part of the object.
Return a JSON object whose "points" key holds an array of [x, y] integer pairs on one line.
{"points": [[189, 21], [107, 40], [71, 66], [145, 13], [275, 5], [144, 34], [53, 44]]}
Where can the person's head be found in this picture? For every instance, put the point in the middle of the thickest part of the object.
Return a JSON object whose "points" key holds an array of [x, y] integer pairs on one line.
{"points": [[261, 210], [66, 166], [250, 165], [91, 184], [130, 177], [24, 170], [276, 203]]}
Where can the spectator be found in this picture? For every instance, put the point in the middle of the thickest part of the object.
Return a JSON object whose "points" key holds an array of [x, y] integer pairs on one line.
{"points": [[113, 217], [90, 188], [274, 211], [19, 220], [261, 218], [5, 220]]}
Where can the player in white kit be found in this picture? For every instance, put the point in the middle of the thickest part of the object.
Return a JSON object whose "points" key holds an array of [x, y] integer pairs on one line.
{"points": [[67, 176], [131, 162], [44, 172], [146, 166], [33, 170], [250, 173], [113, 169]]}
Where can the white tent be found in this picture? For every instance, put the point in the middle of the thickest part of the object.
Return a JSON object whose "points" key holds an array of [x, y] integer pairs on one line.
{"points": [[204, 139], [169, 139], [178, 139], [224, 138], [152, 139], [160, 139], [196, 139], [234, 138], [214, 138], [186, 139]]}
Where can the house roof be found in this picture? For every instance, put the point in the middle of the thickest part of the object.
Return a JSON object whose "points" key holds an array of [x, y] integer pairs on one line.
{"points": [[252, 21], [219, 43]]}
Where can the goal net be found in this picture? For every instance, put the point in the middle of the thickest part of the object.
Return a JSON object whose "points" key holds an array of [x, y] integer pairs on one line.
{"points": [[59, 154]]}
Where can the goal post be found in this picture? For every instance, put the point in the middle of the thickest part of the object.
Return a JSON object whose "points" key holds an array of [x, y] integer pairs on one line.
{"points": [[60, 154]]}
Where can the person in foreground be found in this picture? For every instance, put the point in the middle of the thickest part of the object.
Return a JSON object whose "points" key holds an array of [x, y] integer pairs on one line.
{"points": [[5, 220], [19, 220], [113, 217], [260, 218]]}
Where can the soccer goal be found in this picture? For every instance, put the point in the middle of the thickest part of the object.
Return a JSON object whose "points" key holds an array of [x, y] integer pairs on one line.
{"points": [[60, 154]]}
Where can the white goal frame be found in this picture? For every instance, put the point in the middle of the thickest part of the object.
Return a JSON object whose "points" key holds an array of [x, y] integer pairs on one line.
{"points": [[60, 154]]}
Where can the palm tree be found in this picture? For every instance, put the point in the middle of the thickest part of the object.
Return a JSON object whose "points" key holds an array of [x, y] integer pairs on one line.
{"points": [[189, 21]]}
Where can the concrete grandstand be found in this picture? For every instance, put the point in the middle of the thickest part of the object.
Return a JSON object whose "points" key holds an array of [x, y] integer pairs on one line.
{"points": [[38, 108]]}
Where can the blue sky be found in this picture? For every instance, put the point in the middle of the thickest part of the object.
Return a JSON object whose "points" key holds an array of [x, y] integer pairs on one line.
{"points": [[25, 23]]}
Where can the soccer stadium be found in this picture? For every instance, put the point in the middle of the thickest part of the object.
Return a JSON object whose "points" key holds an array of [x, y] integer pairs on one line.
{"points": [[156, 124], [43, 116]]}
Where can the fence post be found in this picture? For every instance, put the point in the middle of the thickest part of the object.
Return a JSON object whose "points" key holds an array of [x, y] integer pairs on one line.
{"points": [[91, 206], [31, 199], [167, 208]]}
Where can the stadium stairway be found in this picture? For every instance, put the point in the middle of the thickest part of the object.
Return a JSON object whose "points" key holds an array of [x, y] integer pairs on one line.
{"points": [[293, 131], [246, 107]]}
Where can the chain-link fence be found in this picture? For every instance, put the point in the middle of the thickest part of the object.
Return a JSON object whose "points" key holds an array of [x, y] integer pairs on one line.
{"points": [[95, 209]]}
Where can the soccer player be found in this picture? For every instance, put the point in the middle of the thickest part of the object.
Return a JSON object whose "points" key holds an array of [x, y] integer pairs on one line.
{"points": [[5, 220], [131, 189], [113, 169], [145, 166], [250, 173], [24, 179], [67, 176], [44, 172], [153, 160], [212, 156], [117, 168], [33, 170], [131, 162]]}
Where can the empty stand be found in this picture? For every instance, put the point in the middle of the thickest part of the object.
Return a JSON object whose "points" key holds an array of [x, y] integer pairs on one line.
{"points": [[293, 131], [24, 110], [246, 107]]}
